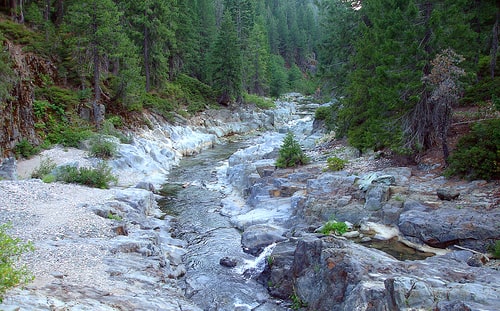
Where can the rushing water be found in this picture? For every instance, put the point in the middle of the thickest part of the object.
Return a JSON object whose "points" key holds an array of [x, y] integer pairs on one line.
{"points": [[210, 237]]}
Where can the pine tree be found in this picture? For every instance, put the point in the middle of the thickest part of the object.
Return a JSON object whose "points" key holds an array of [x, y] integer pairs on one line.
{"points": [[226, 62], [291, 153], [151, 29], [97, 37], [340, 28], [257, 61]]}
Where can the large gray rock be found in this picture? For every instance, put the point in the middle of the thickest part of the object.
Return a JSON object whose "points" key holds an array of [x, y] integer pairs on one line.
{"points": [[447, 226], [8, 169], [336, 274], [257, 237]]}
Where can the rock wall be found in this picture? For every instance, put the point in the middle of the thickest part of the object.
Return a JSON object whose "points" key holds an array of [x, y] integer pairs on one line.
{"points": [[335, 274], [16, 114]]}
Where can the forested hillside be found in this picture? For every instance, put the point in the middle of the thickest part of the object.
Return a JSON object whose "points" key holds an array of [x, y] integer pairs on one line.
{"points": [[115, 57], [402, 67], [399, 68]]}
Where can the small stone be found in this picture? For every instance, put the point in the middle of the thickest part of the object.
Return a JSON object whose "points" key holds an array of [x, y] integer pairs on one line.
{"points": [[447, 194], [228, 262], [351, 234], [57, 275]]}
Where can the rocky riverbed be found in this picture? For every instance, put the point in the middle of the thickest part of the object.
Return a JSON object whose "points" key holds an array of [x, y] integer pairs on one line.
{"points": [[113, 249]]}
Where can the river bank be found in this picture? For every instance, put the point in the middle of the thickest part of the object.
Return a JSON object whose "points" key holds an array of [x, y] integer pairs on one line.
{"points": [[115, 250], [112, 249]]}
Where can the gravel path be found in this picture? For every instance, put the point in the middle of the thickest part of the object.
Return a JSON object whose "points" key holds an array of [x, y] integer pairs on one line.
{"points": [[57, 219]]}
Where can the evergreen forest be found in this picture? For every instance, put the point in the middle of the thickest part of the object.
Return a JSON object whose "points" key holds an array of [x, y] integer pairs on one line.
{"points": [[393, 70]]}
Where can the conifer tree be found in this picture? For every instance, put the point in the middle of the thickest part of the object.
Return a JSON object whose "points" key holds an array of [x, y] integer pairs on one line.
{"points": [[226, 62], [97, 37], [151, 28], [257, 61]]}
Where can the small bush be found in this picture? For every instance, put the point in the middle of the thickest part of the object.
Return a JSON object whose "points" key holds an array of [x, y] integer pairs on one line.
{"points": [[260, 102], [336, 163], [68, 136], [25, 149], [297, 302], [45, 168], [334, 227], [108, 128], [496, 249], [11, 249], [99, 177], [322, 113], [102, 147], [59, 98], [290, 153], [477, 155]]}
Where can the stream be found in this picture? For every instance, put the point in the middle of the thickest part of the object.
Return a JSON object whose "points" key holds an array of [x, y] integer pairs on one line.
{"points": [[211, 237]]}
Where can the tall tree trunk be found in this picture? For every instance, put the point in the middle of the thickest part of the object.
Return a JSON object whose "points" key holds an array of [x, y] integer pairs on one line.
{"points": [[96, 105], [147, 71], [16, 10], [58, 19], [494, 45]]}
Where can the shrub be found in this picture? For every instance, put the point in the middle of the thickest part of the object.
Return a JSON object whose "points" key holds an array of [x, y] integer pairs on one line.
{"points": [[477, 155], [25, 149], [11, 249], [99, 177], [336, 163], [496, 249], [290, 153], [45, 168], [108, 128], [102, 147], [260, 102], [69, 136], [335, 227]]}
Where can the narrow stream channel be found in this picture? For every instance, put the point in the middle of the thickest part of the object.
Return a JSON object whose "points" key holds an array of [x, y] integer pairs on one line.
{"points": [[211, 237]]}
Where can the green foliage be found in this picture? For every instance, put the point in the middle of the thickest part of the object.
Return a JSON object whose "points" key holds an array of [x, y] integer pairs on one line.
{"points": [[59, 98], [322, 113], [297, 302], [102, 147], [7, 76], [108, 128], [45, 168], [25, 149], [114, 216], [329, 114], [260, 102], [99, 177], [336, 163], [19, 33], [496, 249], [160, 102], [197, 95], [11, 250], [226, 62], [477, 155], [484, 90], [291, 153], [279, 77], [69, 136], [335, 227]]}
